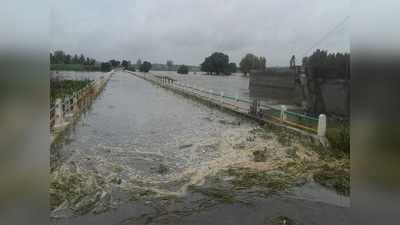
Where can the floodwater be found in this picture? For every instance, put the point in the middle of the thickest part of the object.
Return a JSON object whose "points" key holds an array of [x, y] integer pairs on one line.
{"points": [[151, 138], [75, 75], [235, 84]]}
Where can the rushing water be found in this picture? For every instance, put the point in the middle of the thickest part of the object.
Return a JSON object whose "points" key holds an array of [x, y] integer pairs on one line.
{"points": [[140, 128], [235, 84]]}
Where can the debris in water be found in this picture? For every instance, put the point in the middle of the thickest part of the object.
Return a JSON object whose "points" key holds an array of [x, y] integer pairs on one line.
{"points": [[185, 146], [162, 169], [281, 220], [260, 156]]}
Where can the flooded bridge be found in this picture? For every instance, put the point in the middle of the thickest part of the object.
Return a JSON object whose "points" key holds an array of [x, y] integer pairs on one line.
{"points": [[142, 154]]}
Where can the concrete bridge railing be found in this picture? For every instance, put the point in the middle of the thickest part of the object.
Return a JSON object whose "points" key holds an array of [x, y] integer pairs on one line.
{"points": [[248, 107], [64, 110]]}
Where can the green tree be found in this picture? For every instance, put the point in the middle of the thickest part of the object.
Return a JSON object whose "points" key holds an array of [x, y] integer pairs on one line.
{"points": [[145, 67], [51, 58], [82, 59], [125, 64], [252, 62], [59, 57], [216, 63], [183, 69], [106, 67], [75, 59], [320, 67], [115, 63], [232, 67], [87, 61], [67, 59], [322, 64]]}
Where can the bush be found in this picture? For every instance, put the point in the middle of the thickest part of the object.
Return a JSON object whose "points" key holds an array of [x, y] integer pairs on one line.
{"points": [[183, 69]]}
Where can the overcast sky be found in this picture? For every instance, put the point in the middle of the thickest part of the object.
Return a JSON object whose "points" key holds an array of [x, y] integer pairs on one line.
{"points": [[186, 31]]}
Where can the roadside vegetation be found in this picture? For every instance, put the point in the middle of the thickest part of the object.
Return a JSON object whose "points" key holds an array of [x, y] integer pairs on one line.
{"points": [[63, 88], [62, 61], [59, 60]]}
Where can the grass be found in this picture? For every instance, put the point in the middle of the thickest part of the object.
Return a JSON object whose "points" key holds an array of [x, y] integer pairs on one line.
{"points": [[75, 67]]}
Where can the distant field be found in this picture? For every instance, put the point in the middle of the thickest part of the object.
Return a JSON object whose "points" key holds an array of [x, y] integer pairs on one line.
{"points": [[75, 67]]}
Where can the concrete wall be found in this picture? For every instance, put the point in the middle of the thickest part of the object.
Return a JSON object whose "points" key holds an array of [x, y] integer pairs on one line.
{"points": [[284, 86], [336, 97], [276, 85]]}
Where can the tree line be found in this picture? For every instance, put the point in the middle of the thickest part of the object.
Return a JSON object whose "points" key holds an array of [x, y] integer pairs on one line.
{"points": [[59, 57], [218, 63], [322, 64]]}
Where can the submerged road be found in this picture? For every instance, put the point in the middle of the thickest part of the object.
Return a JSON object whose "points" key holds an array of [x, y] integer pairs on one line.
{"points": [[135, 129]]}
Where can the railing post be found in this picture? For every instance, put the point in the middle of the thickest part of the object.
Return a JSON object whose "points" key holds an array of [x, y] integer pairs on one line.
{"points": [[59, 114], [322, 125], [76, 107], [283, 112]]}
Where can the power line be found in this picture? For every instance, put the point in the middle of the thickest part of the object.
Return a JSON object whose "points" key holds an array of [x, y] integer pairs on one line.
{"points": [[327, 35]]}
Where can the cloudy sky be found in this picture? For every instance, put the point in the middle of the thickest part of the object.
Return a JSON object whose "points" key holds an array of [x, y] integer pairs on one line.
{"points": [[186, 31]]}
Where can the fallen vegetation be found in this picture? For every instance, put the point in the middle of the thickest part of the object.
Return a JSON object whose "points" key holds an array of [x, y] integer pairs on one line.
{"points": [[79, 191]]}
